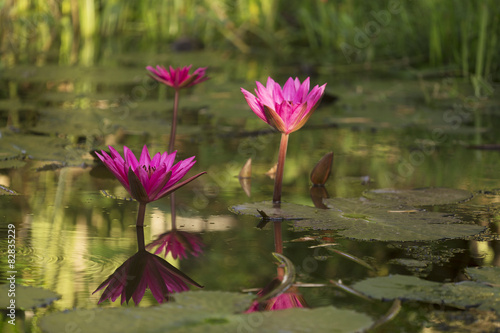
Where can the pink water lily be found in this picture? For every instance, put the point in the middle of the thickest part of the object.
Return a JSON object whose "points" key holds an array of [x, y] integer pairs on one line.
{"points": [[141, 271], [286, 109], [290, 298], [283, 301], [178, 78], [178, 244], [148, 179]]}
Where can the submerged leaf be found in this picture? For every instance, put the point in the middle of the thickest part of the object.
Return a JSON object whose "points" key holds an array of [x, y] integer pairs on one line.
{"points": [[421, 196]]}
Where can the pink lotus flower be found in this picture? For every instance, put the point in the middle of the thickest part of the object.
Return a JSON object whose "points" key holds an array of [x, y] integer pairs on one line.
{"points": [[148, 179], [144, 270], [178, 243], [286, 109], [178, 78]]}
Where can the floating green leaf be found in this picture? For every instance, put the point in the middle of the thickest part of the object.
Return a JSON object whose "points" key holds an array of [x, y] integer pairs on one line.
{"points": [[367, 220], [485, 274], [478, 294], [43, 148], [421, 196], [12, 163], [26, 297], [202, 311]]}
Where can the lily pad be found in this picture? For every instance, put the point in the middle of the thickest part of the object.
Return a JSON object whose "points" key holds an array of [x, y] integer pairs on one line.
{"points": [[467, 294], [420, 197], [486, 274], [286, 211], [42, 148], [202, 311], [367, 220], [12, 163], [27, 297]]}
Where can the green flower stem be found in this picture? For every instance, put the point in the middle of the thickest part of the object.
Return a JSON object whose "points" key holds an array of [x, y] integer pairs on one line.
{"points": [[174, 122], [140, 238], [140, 214], [278, 181], [172, 210], [278, 240]]}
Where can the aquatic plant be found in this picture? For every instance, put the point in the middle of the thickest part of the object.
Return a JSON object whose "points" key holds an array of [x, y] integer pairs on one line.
{"points": [[286, 109], [177, 78], [148, 179]]}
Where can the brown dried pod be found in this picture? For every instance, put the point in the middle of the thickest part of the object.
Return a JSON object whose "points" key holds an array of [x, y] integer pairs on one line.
{"points": [[246, 171], [321, 171]]}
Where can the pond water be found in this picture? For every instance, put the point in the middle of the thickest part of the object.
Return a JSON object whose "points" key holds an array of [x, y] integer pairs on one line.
{"points": [[388, 129]]}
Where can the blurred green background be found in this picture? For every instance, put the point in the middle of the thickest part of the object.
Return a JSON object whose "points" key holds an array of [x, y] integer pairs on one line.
{"points": [[449, 36]]}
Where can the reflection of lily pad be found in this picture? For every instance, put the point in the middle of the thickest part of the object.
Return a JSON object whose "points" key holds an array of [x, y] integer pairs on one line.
{"points": [[410, 263], [484, 296], [421, 196], [27, 297], [368, 220], [420, 258], [201, 311]]}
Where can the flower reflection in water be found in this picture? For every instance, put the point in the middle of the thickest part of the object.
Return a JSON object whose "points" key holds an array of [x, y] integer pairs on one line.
{"points": [[144, 270], [286, 300], [280, 293], [178, 244]]}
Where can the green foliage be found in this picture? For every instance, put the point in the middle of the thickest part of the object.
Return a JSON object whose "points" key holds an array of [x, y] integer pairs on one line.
{"points": [[460, 34]]}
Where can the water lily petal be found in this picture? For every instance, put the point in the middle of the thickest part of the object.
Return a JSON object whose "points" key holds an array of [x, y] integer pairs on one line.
{"points": [[178, 78], [283, 108], [274, 119], [167, 191], [136, 188]]}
